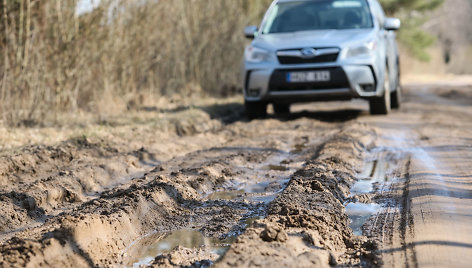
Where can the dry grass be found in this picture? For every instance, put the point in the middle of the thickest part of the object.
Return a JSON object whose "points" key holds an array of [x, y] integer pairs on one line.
{"points": [[135, 127], [122, 55]]}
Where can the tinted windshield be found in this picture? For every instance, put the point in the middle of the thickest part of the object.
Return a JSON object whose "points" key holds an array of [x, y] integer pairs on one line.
{"points": [[318, 15]]}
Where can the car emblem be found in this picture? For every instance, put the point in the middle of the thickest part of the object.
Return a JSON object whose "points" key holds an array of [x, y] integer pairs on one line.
{"points": [[308, 53]]}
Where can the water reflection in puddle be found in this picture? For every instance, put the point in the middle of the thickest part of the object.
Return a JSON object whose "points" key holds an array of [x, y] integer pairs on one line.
{"points": [[226, 195], [274, 179], [265, 191], [359, 213], [145, 251], [277, 167], [374, 173]]}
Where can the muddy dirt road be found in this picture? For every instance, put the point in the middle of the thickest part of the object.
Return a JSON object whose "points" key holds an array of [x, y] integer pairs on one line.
{"points": [[328, 185]]}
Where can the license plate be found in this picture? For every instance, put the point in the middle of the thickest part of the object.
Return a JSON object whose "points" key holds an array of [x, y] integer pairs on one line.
{"points": [[314, 76]]}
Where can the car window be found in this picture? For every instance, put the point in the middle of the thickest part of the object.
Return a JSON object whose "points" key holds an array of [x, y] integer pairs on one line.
{"points": [[318, 15]]}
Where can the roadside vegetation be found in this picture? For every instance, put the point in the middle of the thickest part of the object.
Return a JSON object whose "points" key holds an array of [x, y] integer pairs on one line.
{"points": [[126, 54], [117, 57], [411, 12]]}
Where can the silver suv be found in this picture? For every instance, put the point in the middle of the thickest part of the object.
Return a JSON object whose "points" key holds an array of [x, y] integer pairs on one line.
{"points": [[320, 50]]}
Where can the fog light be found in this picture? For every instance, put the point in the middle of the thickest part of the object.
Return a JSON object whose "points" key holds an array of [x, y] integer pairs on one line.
{"points": [[254, 92], [368, 88]]}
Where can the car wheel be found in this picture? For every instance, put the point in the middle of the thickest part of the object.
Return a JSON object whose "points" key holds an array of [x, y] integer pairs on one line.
{"points": [[281, 108], [381, 105], [255, 109]]}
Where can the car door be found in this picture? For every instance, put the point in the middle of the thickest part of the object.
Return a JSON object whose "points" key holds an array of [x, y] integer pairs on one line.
{"points": [[392, 53], [384, 44]]}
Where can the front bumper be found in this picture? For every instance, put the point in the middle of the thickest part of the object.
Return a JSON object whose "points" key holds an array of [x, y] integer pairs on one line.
{"points": [[347, 82]]}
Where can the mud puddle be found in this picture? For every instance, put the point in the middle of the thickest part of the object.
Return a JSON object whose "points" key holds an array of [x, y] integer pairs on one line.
{"points": [[359, 214], [147, 249], [375, 175], [262, 182], [264, 192]]}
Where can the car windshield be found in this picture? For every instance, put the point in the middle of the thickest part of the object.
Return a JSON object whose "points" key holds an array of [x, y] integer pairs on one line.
{"points": [[317, 15]]}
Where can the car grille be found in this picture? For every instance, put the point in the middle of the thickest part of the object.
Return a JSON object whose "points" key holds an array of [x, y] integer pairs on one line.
{"points": [[296, 56], [278, 80]]}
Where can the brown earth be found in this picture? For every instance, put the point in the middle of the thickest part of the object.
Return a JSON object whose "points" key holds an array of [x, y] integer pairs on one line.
{"points": [[201, 186]]}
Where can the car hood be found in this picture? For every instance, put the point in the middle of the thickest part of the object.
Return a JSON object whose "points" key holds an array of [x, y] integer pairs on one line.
{"points": [[319, 38]]}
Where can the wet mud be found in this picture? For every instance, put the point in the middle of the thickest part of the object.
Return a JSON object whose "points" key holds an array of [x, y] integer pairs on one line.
{"points": [[317, 189]]}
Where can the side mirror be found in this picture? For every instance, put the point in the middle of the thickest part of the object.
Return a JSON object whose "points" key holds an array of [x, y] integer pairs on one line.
{"points": [[392, 24], [250, 31]]}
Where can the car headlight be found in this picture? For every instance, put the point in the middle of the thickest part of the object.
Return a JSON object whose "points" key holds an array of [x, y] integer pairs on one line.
{"points": [[255, 55], [360, 50]]}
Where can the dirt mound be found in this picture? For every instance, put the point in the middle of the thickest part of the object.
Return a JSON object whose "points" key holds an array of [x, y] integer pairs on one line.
{"points": [[39, 182]]}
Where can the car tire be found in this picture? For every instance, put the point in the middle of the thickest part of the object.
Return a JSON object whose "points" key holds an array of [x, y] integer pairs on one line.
{"points": [[382, 105], [396, 96], [255, 109], [281, 109]]}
